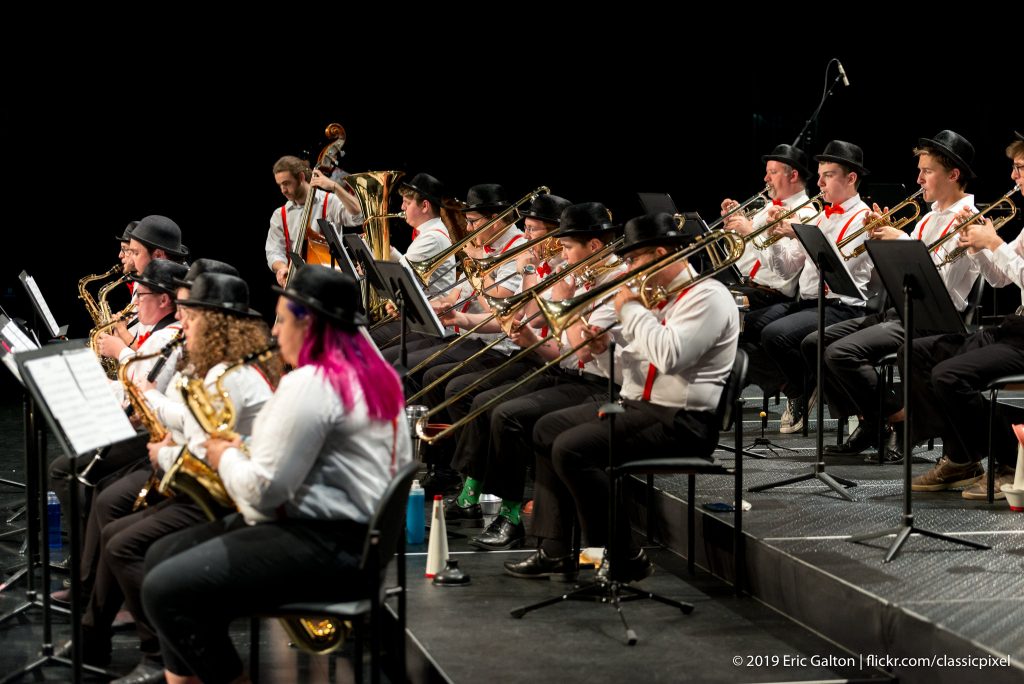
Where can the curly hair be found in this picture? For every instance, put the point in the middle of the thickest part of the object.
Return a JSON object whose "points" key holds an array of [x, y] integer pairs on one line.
{"points": [[226, 338]]}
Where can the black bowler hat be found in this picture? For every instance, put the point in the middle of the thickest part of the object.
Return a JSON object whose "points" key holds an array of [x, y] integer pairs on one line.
{"points": [[953, 145], [847, 154], [547, 208], [1019, 136], [792, 155], [485, 198], [652, 230], [127, 234], [160, 232], [585, 218], [331, 293], [160, 275], [220, 292], [201, 266], [427, 186]]}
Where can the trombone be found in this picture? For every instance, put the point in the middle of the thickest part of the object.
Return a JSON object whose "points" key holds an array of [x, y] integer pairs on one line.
{"points": [[755, 204], [817, 202], [958, 252], [885, 219], [724, 248]]}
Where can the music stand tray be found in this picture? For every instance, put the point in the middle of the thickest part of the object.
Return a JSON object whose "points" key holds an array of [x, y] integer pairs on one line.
{"points": [[916, 289], [338, 254]]}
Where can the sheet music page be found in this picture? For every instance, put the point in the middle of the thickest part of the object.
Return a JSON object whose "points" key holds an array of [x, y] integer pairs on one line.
{"points": [[77, 393], [37, 296], [19, 342]]}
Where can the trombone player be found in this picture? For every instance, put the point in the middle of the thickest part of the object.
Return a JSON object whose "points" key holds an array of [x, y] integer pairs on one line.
{"points": [[854, 347], [677, 357], [952, 371]]}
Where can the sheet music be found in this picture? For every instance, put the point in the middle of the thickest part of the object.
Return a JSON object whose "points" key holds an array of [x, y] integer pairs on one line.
{"points": [[40, 302], [78, 394], [18, 340]]}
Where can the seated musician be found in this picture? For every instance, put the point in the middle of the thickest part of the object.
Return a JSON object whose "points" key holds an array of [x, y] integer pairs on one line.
{"points": [[292, 176], [854, 347], [951, 372], [675, 362], [322, 452]]}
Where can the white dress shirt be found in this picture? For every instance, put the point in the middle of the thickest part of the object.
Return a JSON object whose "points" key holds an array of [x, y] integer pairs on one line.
{"points": [[1004, 266], [751, 261], [960, 275], [337, 214]]}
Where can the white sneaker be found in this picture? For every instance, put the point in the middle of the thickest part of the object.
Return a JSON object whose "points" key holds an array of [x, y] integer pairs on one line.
{"points": [[792, 420]]}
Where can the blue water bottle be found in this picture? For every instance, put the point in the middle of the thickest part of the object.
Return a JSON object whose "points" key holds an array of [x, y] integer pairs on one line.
{"points": [[415, 524], [53, 519]]}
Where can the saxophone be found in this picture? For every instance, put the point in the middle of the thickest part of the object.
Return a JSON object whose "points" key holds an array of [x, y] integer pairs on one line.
{"points": [[147, 417], [110, 366], [91, 305], [192, 477]]}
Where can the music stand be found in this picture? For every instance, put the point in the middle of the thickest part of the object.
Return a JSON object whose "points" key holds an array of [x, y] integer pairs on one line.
{"points": [[832, 272], [339, 257], [70, 390], [362, 256], [41, 307], [414, 310], [921, 298]]}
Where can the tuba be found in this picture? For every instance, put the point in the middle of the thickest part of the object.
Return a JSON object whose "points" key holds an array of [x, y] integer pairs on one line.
{"points": [[372, 190], [194, 478]]}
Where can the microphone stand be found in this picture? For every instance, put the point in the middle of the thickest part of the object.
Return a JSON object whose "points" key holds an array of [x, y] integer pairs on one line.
{"points": [[817, 110]]}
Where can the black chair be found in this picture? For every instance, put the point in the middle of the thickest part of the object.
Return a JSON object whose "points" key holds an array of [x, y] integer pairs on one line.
{"points": [[730, 414], [1010, 382], [385, 539]]}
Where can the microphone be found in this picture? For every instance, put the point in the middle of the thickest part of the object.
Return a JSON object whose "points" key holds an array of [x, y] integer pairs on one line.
{"points": [[842, 73]]}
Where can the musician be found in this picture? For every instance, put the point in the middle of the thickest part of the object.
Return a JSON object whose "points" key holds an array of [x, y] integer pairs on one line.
{"points": [[220, 329], [155, 237], [124, 239], [292, 176], [951, 372], [493, 451], [786, 174], [323, 450], [784, 326], [676, 360], [854, 347]]}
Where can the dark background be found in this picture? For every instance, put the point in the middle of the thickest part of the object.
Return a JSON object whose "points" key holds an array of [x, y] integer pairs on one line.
{"points": [[97, 144]]}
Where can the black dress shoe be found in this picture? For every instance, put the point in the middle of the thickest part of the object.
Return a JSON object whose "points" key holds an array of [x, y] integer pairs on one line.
{"points": [[93, 652], [454, 513], [633, 570], [539, 566], [146, 672], [500, 534], [860, 439]]}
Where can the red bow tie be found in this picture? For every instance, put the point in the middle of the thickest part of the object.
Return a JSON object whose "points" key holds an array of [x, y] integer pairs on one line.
{"points": [[544, 270], [833, 209], [776, 203], [415, 233], [488, 249]]}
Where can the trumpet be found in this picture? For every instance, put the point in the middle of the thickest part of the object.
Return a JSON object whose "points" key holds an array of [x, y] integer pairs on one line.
{"points": [[753, 237], [723, 248], [885, 219], [958, 252], [748, 208]]}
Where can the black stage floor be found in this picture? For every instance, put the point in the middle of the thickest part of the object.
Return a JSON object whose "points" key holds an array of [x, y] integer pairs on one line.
{"points": [[819, 607]]}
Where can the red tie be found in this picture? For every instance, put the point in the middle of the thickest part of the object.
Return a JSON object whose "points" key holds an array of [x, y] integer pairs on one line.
{"points": [[544, 270], [776, 203], [833, 209], [415, 233], [488, 249]]}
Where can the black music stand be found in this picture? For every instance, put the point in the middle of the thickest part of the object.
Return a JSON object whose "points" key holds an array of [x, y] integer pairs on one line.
{"points": [[69, 389], [414, 310], [921, 298], [361, 256], [339, 257], [832, 271], [41, 307]]}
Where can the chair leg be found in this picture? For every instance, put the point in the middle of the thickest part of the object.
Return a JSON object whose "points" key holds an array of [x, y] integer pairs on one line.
{"points": [[840, 428], [738, 549], [691, 525], [649, 505], [254, 649], [359, 634], [931, 443], [993, 396]]}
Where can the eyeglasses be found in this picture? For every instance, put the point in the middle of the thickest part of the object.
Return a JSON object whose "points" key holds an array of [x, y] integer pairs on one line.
{"points": [[1019, 169], [637, 257], [473, 222]]}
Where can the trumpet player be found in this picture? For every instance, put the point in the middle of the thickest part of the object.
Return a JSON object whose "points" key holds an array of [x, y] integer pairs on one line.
{"points": [[854, 347], [785, 176], [951, 372], [783, 326], [675, 362]]}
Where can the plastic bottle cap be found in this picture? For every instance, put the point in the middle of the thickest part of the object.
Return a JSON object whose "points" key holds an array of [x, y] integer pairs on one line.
{"points": [[437, 497]]}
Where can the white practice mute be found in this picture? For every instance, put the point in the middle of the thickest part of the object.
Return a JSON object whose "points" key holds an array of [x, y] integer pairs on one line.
{"points": [[842, 72]]}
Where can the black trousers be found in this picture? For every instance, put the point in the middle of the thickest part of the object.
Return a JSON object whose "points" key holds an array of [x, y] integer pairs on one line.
{"points": [[200, 579], [949, 375], [119, 574], [572, 457], [387, 340], [115, 500], [782, 337], [759, 296]]}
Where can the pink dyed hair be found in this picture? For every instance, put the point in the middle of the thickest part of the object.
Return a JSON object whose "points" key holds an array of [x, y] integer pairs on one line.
{"points": [[344, 355]]}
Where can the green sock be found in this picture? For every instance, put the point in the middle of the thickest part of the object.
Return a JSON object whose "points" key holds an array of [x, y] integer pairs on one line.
{"points": [[510, 510], [470, 493]]}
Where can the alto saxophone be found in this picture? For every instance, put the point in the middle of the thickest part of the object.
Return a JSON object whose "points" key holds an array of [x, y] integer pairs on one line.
{"points": [[147, 417], [91, 305], [216, 414], [109, 365]]}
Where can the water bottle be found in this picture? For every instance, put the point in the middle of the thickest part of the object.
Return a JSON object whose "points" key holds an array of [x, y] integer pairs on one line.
{"points": [[53, 519], [415, 525]]}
